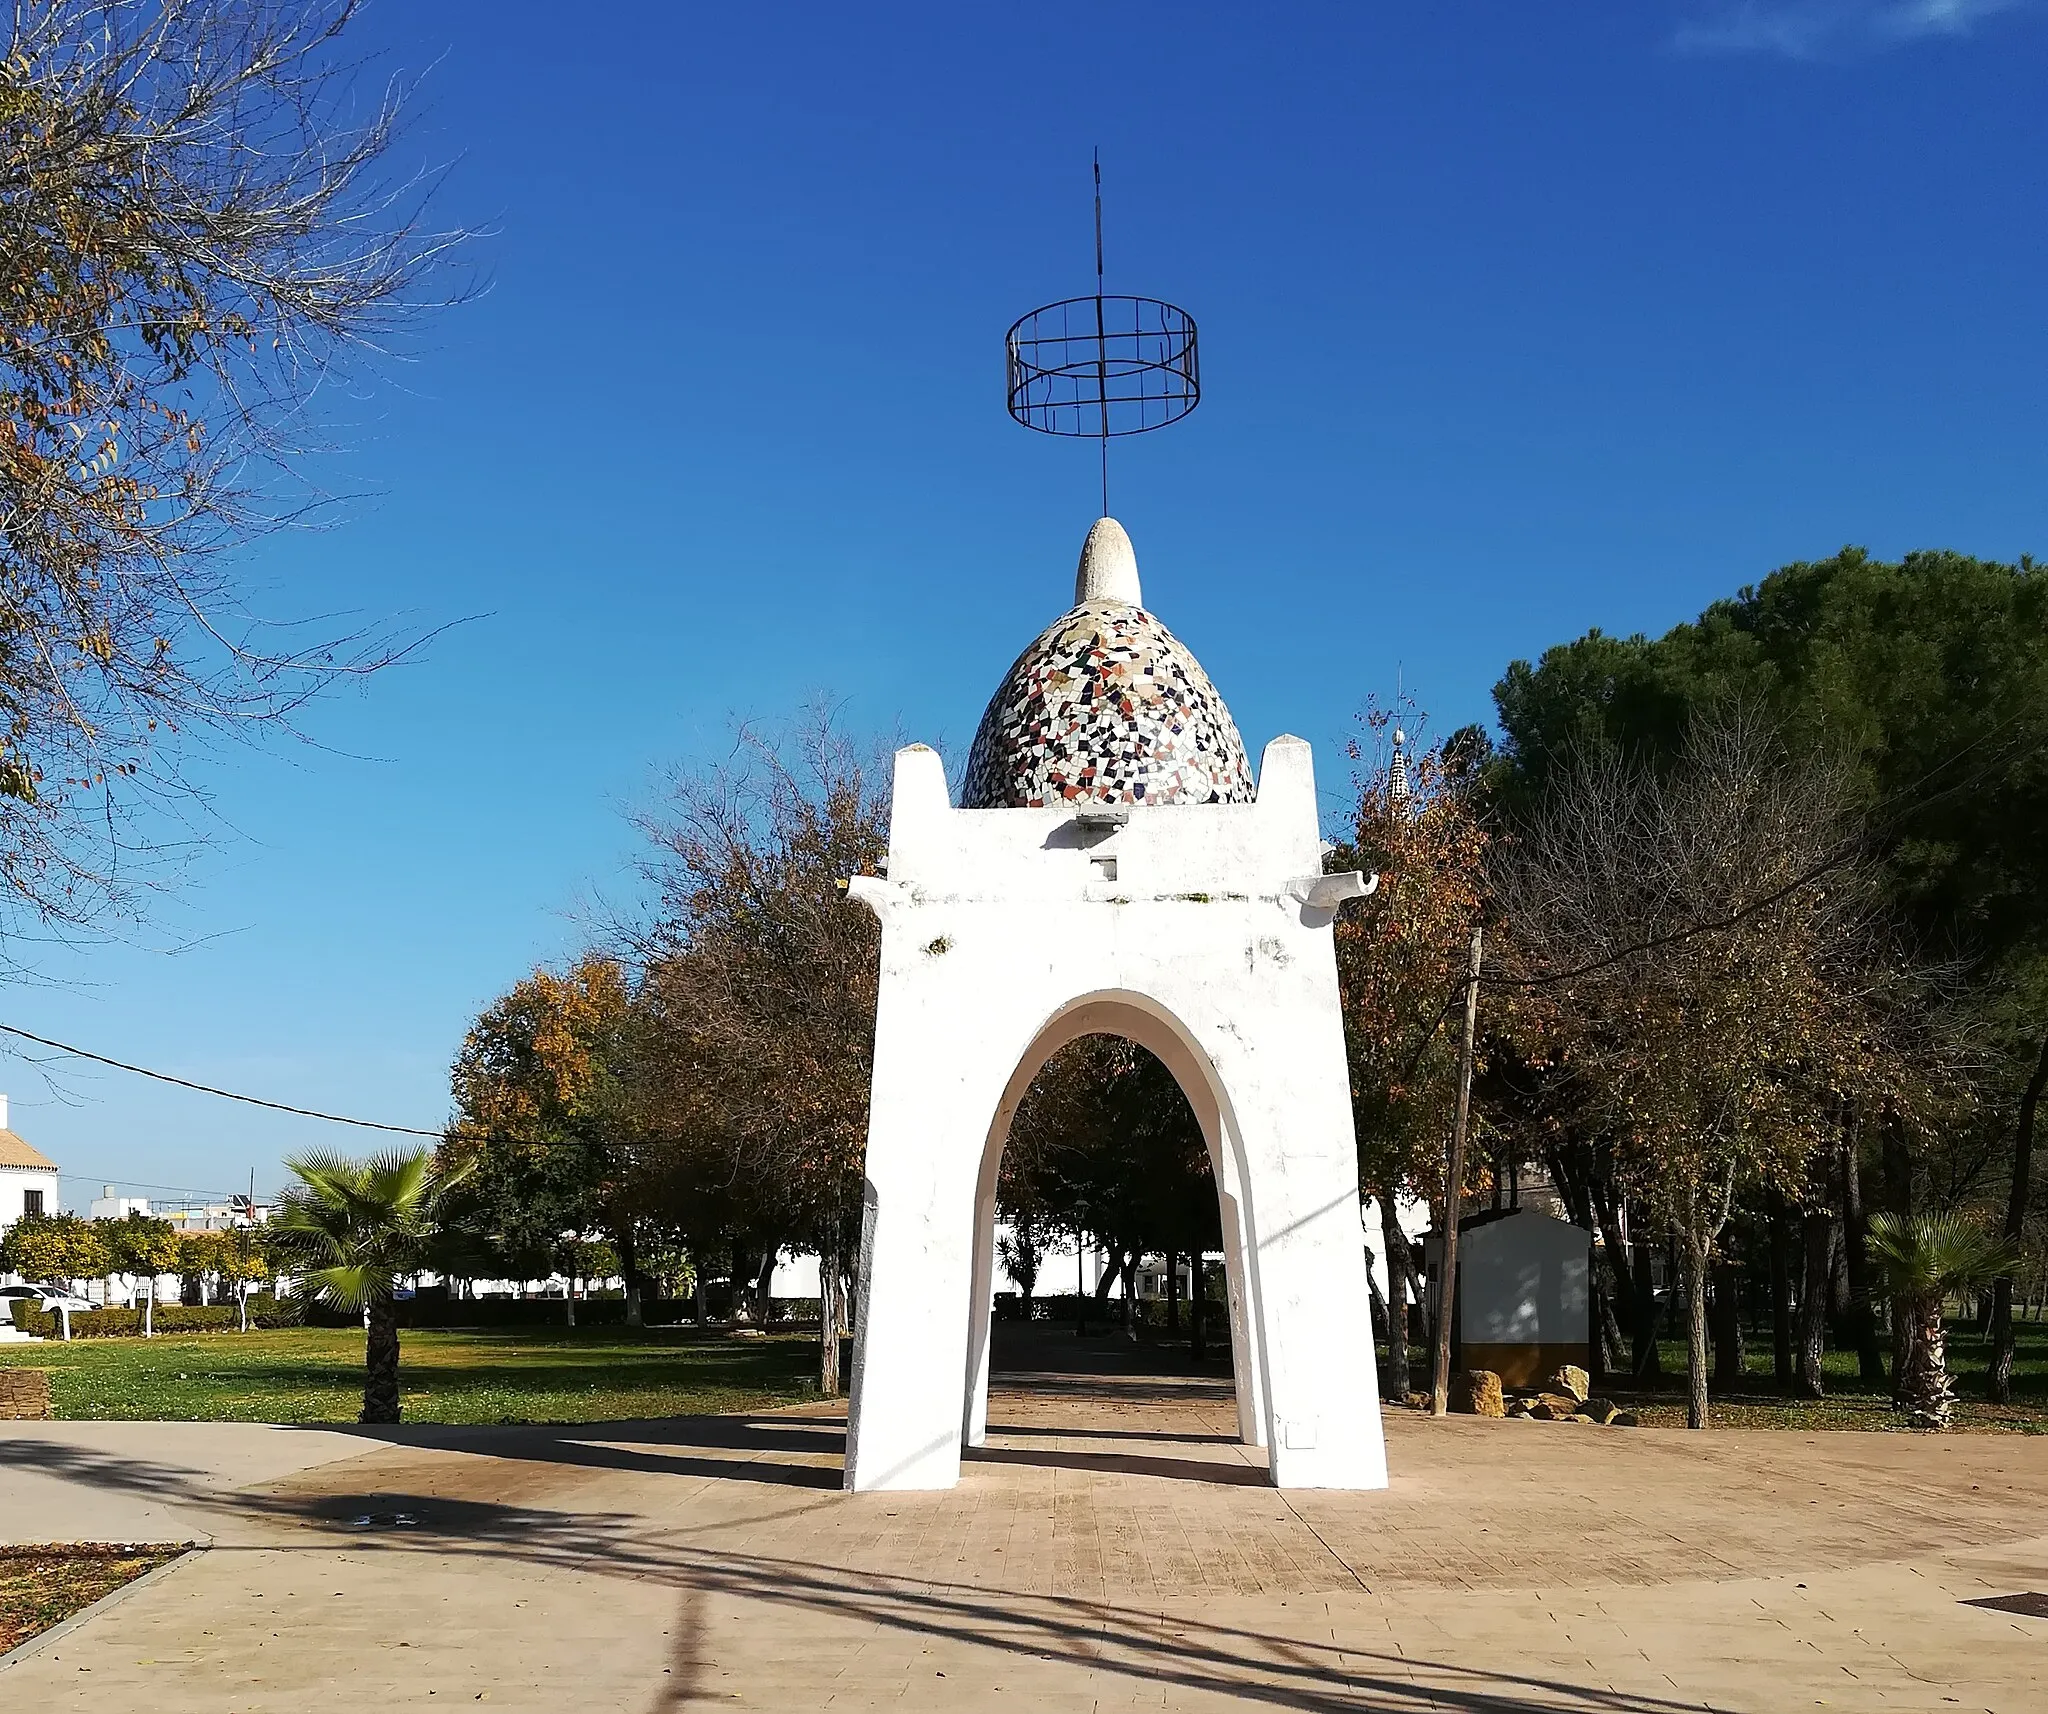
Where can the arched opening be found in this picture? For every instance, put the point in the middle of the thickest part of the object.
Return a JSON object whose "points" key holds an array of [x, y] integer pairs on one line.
{"points": [[1134, 1134]]}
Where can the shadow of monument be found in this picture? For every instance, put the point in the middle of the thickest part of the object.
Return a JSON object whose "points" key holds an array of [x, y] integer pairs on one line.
{"points": [[1119, 1463]]}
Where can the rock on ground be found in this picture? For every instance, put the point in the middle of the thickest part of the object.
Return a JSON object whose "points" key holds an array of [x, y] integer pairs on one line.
{"points": [[1476, 1392]]}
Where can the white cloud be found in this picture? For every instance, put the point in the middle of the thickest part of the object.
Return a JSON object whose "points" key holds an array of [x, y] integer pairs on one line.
{"points": [[1817, 29]]}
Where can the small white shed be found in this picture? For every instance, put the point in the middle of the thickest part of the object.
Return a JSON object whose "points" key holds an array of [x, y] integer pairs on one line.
{"points": [[1524, 1295]]}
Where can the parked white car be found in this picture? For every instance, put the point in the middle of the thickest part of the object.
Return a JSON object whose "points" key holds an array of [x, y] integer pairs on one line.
{"points": [[49, 1299]]}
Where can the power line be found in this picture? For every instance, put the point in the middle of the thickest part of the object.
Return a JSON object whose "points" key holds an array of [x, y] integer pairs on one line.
{"points": [[208, 1089], [120, 1183], [1673, 936]]}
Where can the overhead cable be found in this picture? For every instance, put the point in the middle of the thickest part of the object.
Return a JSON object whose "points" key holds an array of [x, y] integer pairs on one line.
{"points": [[208, 1089]]}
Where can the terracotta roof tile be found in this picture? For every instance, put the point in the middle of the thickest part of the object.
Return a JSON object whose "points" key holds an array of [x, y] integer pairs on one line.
{"points": [[15, 1152]]}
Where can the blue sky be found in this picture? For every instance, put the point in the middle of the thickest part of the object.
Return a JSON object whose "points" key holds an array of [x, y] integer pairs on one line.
{"points": [[1515, 320]]}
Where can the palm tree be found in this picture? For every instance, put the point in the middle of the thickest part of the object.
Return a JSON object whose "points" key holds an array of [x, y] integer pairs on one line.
{"points": [[1924, 1257], [355, 1228]]}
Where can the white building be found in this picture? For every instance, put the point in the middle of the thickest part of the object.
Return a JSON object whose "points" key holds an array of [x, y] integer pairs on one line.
{"points": [[28, 1178], [108, 1206], [216, 1216]]}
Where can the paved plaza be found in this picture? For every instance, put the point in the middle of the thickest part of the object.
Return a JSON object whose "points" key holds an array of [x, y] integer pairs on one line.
{"points": [[1112, 1547]]}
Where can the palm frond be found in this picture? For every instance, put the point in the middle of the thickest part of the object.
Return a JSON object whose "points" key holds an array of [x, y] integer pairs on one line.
{"points": [[359, 1225], [398, 1181], [1930, 1255], [349, 1288]]}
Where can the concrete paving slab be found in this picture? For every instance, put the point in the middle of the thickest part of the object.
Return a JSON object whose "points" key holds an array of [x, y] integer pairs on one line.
{"points": [[1105, 1551], [144, 1481]]}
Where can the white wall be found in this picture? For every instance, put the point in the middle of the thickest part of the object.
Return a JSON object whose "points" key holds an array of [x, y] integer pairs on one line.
{"points": [[15, 1184], [112, 1207], [1190, 930]]}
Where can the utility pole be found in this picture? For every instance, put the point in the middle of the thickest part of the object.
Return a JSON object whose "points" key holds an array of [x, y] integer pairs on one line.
{"points": [[1454, 1185]]}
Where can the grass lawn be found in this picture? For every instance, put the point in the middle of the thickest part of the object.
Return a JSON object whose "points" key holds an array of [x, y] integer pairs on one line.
{"points": [[41, 1586], [1849, 1403], [315, 1374]]}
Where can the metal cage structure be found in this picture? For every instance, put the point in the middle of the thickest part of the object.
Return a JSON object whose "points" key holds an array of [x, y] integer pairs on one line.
{"points": [[1102, 367]]}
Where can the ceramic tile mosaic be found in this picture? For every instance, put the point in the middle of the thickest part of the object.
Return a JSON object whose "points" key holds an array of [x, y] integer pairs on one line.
{"points": [[1107, 706]]}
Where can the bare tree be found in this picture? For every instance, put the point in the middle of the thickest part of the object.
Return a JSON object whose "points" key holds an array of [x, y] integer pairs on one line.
{"points": [[1710, 938], [201, 230], [757, 1008]]}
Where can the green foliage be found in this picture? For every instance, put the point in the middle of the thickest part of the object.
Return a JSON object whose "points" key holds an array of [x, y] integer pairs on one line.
{"points": [[241, 1259], [539, 1125], [140, 1244], [1929, 1256], [53, 1249], [355, 1228], [1928, 676]]}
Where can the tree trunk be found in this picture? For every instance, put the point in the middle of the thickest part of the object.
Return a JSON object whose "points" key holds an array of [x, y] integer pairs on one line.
{"points": [[1856, 1259], [1447, 1300], [828, 1319], [149, 1310], [1130, 1277], [380, 1364], [1608, 1345], [1781, 1296], [1925, 1394], [1695, 1334], [1998, 1382], [1728, 1363], [699, 1272], [1816, 1227], [1614, 1252], [629, 1274], [1646, 1361], [764, 1285], [1173, 1292], [569, 1298], [1080, 1284], [1898, 1167], [1376, 1301], [242, 1303], [1396, 1242], [1198, 1299]]}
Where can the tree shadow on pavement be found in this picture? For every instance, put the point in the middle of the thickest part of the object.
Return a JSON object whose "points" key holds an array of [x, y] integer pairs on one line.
{"points": [[345, 1507]]}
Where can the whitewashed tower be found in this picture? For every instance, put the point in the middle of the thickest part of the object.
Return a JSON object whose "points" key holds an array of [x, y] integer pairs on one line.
{"points": [[1112, 868]]}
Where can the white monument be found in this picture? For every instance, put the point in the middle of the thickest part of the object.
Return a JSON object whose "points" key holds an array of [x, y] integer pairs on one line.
{"points": [[1112, 869]]}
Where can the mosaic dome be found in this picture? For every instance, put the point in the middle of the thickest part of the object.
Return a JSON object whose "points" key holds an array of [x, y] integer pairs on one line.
{"points": [[1106, 707]]}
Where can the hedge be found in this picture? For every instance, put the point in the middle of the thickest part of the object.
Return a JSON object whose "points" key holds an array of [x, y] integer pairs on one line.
{"points": [[169, 1318], [421, 1312]]}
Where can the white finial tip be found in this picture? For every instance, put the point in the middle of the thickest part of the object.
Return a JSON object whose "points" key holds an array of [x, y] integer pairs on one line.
{"points": [[1109, 566]]}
